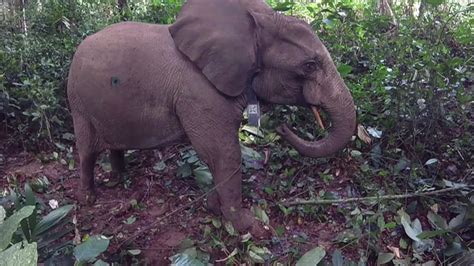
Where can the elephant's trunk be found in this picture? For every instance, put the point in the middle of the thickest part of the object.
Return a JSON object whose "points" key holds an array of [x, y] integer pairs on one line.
{"points": [[338, 103]]}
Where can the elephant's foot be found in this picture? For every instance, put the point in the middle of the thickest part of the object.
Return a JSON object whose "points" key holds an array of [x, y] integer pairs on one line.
{"points": [[244, 221]]}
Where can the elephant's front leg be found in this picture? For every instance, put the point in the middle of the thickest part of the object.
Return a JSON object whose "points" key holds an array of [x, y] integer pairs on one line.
{"points": [[215, 139], [222, 153]]}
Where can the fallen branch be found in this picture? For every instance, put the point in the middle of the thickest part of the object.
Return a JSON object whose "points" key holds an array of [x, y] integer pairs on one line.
{"points": [[376, 198]]}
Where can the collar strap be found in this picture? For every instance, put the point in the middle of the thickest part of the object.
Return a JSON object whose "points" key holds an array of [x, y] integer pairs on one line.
{"points": [[253, 107]]}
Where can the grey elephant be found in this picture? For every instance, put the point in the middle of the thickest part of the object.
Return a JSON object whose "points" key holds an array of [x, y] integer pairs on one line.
{"points": [[141, 86]]}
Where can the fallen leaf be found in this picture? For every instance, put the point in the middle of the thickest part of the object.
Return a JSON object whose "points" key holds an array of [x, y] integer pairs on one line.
{"points": [[312, 257], [384, 258], [363, 135], [395, 251]]}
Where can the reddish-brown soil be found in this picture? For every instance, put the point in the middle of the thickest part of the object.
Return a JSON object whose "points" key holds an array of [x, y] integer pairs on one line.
{"points": [[151, 196]]}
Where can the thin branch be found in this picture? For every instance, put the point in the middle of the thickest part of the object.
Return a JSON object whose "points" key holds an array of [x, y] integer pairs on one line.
{"points": [[158, 220], [376, 198]]}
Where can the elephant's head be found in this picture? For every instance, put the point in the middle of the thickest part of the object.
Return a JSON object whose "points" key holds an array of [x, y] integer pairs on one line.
{"points": [[233, 41]]}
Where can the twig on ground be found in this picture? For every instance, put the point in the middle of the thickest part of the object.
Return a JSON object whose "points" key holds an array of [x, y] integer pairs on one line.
{"points": [[185, 206], [386, 197]]}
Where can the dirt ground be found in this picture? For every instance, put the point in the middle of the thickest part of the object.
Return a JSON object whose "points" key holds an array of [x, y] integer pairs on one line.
{"points": [[151, 196]]}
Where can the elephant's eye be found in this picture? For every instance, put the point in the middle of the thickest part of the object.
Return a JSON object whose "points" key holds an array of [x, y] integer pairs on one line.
{"points": [[309, 67]]}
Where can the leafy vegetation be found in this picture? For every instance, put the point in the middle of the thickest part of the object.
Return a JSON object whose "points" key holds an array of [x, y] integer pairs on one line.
{"points": [[411, 75]]}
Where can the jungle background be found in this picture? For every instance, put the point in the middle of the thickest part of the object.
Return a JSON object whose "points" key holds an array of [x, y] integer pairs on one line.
{"points": [[409, 66]]}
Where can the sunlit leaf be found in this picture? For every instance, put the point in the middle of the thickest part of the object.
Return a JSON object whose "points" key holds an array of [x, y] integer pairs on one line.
{"points": [[10, 225], [182, 259], [91, 248], [255, 257], [159, 166], [437, 221], [260, 214], [3, 214], [411, 231], [52, 219], [337, 259], [134, 252], [431, 234], [312, 257], [385, 258], [431, 161], [457, 221], [230, 228], [344, 70], [20, 254]]}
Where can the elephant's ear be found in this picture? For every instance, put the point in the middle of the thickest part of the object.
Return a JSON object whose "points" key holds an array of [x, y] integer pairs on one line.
{"points": [[218, 36]]}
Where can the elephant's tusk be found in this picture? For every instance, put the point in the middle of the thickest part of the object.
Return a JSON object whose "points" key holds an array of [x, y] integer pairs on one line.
{"points": [[318, 117]]}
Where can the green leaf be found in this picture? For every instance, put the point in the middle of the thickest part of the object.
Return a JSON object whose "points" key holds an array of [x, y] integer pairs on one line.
{"points": [[431, 234], [401, 165], [184, 170], [20, 254], [52, 219], [457, 221], [134, 252], [312, 257], [284, 6], [159, 166], [409, 230], [203, 175], [130, 220], [356, 154], [10, 225], [251, 158], [29, 195], [246, 237], [403, 243], [3, 214], [385, 258], [91, 248], [437, 221], [344, 70], [255, 257], [260, 214], [182, 259], [100, 263], [230, 228], [217, 223], [431, 161], [337, 259], [434, 2], [253, 130]]}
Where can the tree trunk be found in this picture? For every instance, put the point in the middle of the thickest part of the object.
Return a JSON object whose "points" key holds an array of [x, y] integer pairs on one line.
{"points": [[385, 9]]}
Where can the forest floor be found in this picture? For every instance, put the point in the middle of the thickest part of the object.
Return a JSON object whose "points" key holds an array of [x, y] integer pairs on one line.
{"points": [[150, 197]]}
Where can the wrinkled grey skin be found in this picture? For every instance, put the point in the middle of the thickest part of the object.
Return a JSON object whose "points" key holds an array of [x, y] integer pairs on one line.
{"points": [[140, 86]]}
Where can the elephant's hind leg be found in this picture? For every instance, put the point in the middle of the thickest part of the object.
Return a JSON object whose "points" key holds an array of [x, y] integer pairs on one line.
{"points": [[87, 146]]}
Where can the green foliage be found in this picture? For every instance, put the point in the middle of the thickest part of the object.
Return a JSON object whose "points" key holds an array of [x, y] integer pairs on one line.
{"points": [[312, 257], [412, 84], [90, 249], [35, 61], [10, 225], [19, 254]]}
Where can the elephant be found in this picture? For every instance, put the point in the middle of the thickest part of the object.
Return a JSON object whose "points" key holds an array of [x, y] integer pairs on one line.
{"points": [[136, 85]]}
